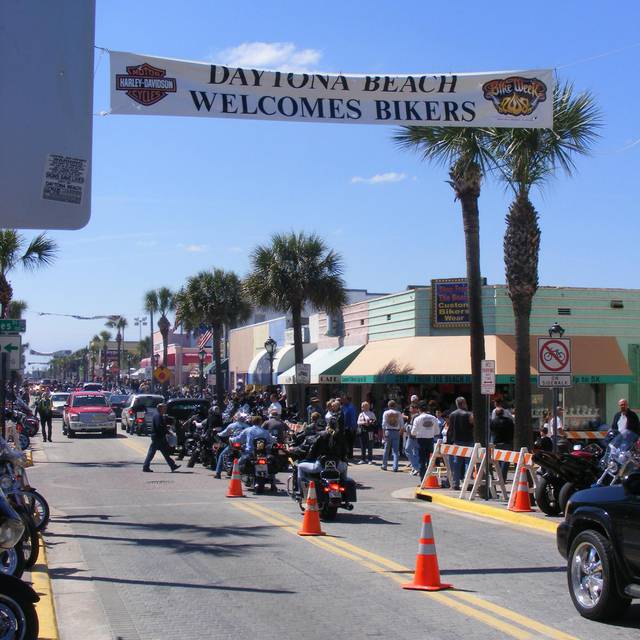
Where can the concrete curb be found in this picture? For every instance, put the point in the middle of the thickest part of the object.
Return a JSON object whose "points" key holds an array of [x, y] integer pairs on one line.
{"points": [[45, 607], [484, 510]]}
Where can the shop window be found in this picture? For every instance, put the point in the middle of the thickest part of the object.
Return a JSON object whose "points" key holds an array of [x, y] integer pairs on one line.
{"points": [[634, 365]]}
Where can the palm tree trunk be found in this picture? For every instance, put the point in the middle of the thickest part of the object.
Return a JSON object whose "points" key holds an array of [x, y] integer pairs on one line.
{"points": [[523, 436], [466, 182], [296, 316], [216, 330], [151, 363]]}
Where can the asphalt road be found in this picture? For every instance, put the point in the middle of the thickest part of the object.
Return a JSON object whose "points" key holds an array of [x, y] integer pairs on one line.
{"points": [[155, 556]]}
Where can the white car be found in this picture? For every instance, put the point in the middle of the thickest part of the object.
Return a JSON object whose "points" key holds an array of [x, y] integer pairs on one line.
{"points": [[58, 400], [138, 403]]}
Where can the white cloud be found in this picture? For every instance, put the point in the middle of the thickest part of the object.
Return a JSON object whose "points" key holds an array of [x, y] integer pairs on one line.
{"points": [[193, 248], [380, 178], [284, 56]]}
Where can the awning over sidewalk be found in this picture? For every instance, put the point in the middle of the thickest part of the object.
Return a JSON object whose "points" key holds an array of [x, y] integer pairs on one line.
{"points": [[211, 367], [284, 358], [327, 365], [446, 359]]}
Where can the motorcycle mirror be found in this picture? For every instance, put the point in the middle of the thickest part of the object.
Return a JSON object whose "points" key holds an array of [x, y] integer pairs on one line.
{"points": [[577, 447]]}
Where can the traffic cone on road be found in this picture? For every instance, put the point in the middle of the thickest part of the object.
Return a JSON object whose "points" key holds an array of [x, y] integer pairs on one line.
{"points": [[235, 484], [431, 483], [311, 521], [427, 574], [522, 502]]}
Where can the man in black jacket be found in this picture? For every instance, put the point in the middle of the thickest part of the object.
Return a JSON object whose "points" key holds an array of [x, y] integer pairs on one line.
{"points": [[625, 419], [159, 440]]}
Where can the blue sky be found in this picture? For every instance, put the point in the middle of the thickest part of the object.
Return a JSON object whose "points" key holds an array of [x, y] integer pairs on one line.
{"points": [[172, 196]]}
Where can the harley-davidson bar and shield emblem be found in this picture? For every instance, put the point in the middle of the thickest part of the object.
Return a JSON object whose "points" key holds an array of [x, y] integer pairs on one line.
{"points": [[145, 84]]}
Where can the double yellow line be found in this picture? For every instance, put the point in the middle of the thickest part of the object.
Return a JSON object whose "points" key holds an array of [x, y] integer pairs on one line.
{"points": [[500, 618]]}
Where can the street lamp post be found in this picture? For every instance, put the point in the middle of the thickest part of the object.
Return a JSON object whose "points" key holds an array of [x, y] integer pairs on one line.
{"points": [[270, 347], [140, 322], [201, 356], [119, 343], [555, 331], [156, 360]]}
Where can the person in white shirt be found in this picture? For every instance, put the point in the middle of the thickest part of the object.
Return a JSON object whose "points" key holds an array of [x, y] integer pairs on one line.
{"points": [[392, 424], [366, 426], [424, 428], [551, 425], [275, 405]]}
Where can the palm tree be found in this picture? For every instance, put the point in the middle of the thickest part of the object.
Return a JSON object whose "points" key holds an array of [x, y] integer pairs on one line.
{"points": [[216, 299], [16, 308], [527, 158], [466, 152], [14, 251], [291, 271], [150, 304], [105, 336], [165, 304]]}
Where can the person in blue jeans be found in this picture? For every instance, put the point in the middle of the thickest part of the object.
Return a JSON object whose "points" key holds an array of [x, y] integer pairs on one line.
{"points": [[392, 423], [460, 433], [232, 430]]}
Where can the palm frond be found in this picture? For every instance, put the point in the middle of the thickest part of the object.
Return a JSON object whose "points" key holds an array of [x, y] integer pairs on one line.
{"points": [[165, 300], [150, 301], [10, 244], [40, 252]]}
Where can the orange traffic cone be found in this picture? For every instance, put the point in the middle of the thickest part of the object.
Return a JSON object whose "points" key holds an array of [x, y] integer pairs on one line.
{"points": [[311, 520], [235, 484], [522, 502], [432, 482], [427, 575]]}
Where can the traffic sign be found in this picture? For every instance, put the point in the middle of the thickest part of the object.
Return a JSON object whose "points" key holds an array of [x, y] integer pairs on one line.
{"points": [[554, 355], [548, 380], [488, 377], [303, 373], [13, 325], [162, 374], [11, 345]]}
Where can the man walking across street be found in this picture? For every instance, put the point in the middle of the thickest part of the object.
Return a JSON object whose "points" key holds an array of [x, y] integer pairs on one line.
{"points": [[159, 440], [45, 410], [461, 433]]}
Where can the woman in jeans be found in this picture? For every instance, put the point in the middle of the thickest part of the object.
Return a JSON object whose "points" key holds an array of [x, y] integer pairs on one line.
{"points": [[366, 425]]}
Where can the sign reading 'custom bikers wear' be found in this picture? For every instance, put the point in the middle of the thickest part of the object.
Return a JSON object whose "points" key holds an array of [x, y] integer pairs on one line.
{"points": [[449, 303], [160, 86]]}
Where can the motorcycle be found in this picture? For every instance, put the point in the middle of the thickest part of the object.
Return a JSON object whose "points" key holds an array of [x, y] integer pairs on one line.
{"points": [[562, 474], [12, 530], [205, 448], [332, 491], [258, 469], [18, 616], [621, 457]]}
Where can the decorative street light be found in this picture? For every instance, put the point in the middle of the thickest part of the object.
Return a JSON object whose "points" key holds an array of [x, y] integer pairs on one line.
{"points": [[555, 331], [119, 343], [140, 322], [201, 355], [156, 360], [270, 346]]}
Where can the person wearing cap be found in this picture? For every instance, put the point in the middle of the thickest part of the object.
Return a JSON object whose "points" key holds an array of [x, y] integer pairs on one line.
{"points": [[313, 407], [159, 440], [231, 430], [275, 426]]}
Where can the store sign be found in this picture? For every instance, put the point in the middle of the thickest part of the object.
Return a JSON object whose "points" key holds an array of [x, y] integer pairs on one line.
{"points": [[449, 303], [329, 379], [146, 85]]}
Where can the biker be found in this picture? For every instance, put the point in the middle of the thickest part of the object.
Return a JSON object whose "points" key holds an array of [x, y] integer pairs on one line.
{"points": [[275, 426], [247, 439], [231, 430], [330, 443]]}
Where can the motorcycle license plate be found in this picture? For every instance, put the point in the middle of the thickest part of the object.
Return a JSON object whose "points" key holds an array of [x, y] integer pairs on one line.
{"points": [[334, 494], [261, 469]]}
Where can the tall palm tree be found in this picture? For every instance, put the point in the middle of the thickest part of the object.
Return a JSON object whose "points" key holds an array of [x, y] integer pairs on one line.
{"points": [[528, 158], [165, 304], [121, 325], [105, 336], [150, 304], [216, 299], [16, 308], [15, 251], [467, 153], [292, 270]]}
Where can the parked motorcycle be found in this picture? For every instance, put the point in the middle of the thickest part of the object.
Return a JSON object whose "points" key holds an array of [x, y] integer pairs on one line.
{"points": [[12, 529], [205, 449], [621, 457], [332, 491], [562, 474], [18, 616]]}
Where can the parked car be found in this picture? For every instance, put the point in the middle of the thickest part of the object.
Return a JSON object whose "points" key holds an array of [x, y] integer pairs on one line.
{"points": [[88, 412], [58, 400], [138, 404], [92, 386], [118, 401], [183, 408], [600, 538]]}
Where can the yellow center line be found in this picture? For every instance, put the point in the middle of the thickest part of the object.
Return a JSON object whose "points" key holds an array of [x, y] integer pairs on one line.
{"points": [[362, 557]]}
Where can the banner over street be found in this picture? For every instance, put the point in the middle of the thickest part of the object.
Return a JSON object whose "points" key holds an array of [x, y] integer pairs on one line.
{"points": [[146, 85]]}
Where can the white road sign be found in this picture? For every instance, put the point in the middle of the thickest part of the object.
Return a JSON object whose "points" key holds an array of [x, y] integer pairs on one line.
{"points": [[303, 373], [12, 346], [488, 377], [554, 356], [548, 380]]}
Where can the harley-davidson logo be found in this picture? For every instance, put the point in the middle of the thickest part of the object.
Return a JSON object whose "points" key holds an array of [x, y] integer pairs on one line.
{"points": [[515, 96], [145, 84]]}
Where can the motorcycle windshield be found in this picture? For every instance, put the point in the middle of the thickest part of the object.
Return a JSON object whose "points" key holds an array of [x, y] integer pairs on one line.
{"points": [[625, 441]]}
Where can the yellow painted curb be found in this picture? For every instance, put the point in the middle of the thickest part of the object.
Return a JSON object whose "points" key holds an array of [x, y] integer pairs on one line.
{"points": [[45, 607], [495, 513]]}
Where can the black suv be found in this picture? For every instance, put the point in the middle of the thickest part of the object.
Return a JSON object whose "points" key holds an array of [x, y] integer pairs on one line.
{"points": [[600, 538]]}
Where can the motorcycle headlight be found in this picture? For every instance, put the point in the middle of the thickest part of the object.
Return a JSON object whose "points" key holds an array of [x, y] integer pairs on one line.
{"points": [[6, 482], [10, 532]]}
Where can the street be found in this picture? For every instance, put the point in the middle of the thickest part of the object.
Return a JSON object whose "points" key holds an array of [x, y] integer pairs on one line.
{"points": [[135, 555]]}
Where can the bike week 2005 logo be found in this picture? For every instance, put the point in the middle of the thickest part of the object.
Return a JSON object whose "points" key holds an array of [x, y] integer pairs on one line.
{"points": [[145, 84], [515, 96]]}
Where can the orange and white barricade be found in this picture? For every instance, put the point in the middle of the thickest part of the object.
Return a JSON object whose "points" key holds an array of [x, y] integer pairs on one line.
{"points": [[524, 462], [492, 465], [585, 435], [443, 451]]}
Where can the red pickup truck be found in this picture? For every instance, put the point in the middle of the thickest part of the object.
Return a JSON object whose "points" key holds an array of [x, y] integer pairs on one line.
{"points": [[88, 412]]}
